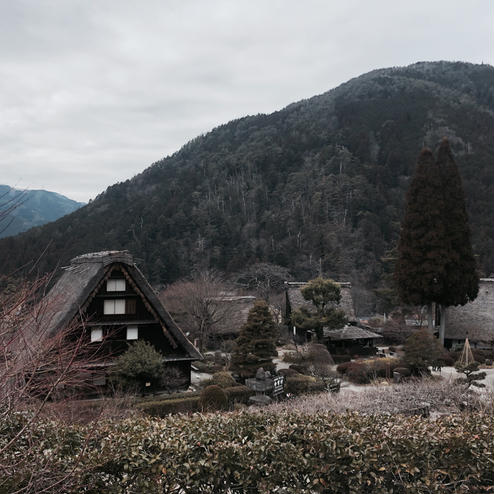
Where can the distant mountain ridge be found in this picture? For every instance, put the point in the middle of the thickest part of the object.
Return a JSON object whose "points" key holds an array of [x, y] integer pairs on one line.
{"points": [[317, 187], [32, 208]]}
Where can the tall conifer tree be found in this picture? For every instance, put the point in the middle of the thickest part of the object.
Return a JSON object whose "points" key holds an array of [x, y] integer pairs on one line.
{"points": [[435, 259]]}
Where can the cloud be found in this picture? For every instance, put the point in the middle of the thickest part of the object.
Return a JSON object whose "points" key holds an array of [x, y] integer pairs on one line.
{"points": [[91, 93]]}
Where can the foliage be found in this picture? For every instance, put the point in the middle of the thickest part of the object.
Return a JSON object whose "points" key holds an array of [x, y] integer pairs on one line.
{"points": [[422, 350], [324, 294], [295, 453], [435, 257], [161, 408], [222, 379], [472, 375], [139, 365], [196, 305], [301, 384], [256, 344], [315, 187], [213, 398]]}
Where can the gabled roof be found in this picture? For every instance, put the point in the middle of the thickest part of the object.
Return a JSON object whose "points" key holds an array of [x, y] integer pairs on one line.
{"points": [[81, 280], [237, 309], [350, 333], [296, 299]]}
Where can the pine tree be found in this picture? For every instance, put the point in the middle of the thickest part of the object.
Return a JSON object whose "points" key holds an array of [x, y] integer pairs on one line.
{"points": [[256, 343], [461, 283], [324, 294], [435, 260]]}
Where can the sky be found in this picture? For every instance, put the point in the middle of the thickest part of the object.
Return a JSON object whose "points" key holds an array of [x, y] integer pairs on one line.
{"points": [[92, 92]]}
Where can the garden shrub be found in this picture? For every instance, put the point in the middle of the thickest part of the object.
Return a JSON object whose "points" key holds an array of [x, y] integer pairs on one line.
{"points": [[289, 372], [222, 379], [303, 384], [301, 369], [213, 398], [238, 394], [293, 453], [358, 373], [404, 371], [339, 359], [165, 407], [343, 367]]}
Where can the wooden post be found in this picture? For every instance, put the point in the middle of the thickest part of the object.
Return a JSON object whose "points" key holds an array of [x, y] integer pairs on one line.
{"points": [[442, 326]]}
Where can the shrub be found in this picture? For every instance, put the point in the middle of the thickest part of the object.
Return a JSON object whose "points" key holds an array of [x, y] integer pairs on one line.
{"points": [[139, 365], [166, 407], [264, 452], [404, 371], [343, 367], [339, 359], [238, 394], [222, 379], [300, 384], [301, 369], [289, 372], [213, 398], [358, 373]]}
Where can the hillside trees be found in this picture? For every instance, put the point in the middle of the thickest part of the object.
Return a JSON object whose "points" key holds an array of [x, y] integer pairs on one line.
{"points": [[435, 258]]}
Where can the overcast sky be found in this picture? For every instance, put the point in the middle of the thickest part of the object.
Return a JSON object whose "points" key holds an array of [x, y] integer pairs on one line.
{"points": [[92, 92]]}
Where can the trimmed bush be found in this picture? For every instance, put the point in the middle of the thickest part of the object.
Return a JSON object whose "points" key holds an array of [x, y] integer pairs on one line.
{"points": [[213, 398], [339, 359], [301, 369], [265, 452], [301, 384], [222, 379], [165, 407], [404, 371], [238, 394], [343, 367], [289, 372]]}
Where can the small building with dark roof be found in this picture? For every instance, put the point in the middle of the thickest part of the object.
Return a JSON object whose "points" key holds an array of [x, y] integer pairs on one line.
{"points": [[349, 335], [474, 320], [109, 296]]}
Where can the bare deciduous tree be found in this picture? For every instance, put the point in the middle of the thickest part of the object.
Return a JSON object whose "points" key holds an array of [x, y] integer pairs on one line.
{"points": [[198, 304]]}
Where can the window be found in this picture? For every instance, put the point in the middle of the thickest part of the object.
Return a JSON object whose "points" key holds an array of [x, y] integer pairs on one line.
{"points": [[96, 335], [115, 285], [114, 306], [132, 333]]}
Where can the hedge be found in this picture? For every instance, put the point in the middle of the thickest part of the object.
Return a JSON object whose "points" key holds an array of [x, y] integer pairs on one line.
{"points": [[289, 453], [188, 404]]}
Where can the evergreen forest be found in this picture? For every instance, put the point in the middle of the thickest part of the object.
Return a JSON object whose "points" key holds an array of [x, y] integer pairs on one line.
{"points": [[317, 187]]}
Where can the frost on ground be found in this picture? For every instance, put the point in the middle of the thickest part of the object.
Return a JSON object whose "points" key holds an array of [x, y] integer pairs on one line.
{"points": [[441, 395]]}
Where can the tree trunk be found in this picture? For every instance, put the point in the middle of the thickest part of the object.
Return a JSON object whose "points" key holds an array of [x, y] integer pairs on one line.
{"points": [[442, 326], [430, 316]]}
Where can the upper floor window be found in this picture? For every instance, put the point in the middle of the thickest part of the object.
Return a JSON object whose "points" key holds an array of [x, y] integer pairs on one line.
{"points": [[115, 285], [114, 306]]}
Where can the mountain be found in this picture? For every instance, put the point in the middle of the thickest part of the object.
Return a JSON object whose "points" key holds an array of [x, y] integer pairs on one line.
{"points": [[318, 186], [31, 208]]}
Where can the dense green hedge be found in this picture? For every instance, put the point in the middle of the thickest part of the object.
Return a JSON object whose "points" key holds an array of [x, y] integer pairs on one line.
{"points": [[259, 453], [191, 403]]}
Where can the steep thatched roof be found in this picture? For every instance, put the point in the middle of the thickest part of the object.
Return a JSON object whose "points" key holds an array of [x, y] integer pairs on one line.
{"points": [[350, 333], [474, 320], [237, 309], [296, 300], [81, 280]]}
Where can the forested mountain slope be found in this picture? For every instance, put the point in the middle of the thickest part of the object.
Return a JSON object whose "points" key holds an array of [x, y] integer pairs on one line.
{"points": [[32, 208], [319, 185]]}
